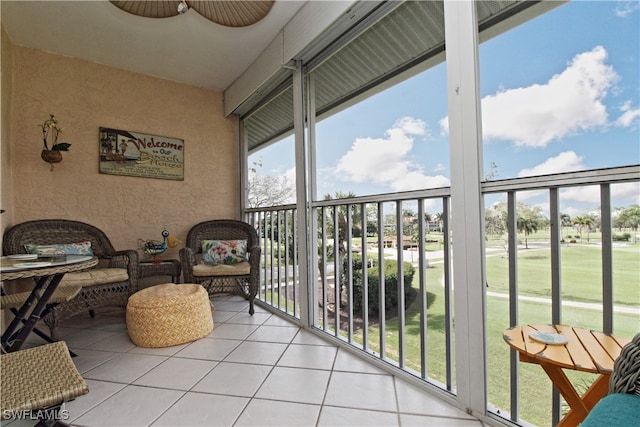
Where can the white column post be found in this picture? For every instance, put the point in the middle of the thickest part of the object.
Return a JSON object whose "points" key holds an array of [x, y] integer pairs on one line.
{"points": [[302, 193], [467, 209]]}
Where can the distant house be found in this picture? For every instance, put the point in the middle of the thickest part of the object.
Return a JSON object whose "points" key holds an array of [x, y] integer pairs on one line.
{"points": [[392, 241]]}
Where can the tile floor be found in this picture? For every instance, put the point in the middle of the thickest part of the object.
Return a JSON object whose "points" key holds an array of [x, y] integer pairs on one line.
{"points": [[250, 371]]}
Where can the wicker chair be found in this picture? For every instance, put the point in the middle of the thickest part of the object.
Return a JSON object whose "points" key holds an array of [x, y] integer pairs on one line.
{"points": [[625, 377], [36, 382], [621, 407], [108, 285], [222, 279]]}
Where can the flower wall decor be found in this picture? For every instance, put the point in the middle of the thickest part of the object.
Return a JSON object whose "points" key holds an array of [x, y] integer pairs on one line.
{"points": [[51, 130]]}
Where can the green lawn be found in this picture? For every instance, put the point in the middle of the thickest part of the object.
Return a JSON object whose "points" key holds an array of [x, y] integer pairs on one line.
{"points": [[581, 278], [581, 281]]}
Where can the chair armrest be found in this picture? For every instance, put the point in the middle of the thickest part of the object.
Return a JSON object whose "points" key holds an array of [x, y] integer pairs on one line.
{"points": [[128, 259], [254, 262], [188, 260], [254, 255]]}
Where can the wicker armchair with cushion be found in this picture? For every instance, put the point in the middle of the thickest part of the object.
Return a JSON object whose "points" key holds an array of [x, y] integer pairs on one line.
{"points": [[109, 284], [621, 407], [223, 255]]}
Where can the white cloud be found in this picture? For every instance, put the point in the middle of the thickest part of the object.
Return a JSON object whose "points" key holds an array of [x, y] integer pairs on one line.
{"points": [[625, 194], [439, 167], [569, 102], [629, 115], [626, 8], [290, 175], [567, 161], [386, 161]]}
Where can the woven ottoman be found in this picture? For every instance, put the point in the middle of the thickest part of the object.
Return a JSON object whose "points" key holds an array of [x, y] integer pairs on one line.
{"points": [[169, 314]]}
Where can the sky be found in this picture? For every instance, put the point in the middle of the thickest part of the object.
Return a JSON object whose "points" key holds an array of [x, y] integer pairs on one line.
{"points": [[559, 93]]}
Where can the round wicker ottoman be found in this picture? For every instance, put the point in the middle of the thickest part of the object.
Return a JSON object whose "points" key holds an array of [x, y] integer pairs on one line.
{"points": [[169, 314]]}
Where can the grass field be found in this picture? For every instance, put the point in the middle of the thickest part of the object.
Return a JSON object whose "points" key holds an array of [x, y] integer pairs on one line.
{"points": [[581, 281], [581, 274]]}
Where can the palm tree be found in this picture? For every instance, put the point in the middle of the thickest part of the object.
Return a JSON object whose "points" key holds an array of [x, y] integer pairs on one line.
{"points": [[582, 221], [527, 226]]}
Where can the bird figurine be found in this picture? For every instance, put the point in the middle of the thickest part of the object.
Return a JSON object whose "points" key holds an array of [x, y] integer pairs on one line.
{"points": [[154, 248]]}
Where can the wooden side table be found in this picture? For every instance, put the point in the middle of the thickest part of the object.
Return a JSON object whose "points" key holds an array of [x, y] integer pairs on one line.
{"points": [[583, 350], [170, 267]]}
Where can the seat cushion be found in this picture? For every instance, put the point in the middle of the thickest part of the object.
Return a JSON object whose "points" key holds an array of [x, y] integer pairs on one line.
{"points": [[80, 248], [61, 294], [97, 276], [614, 410], [240, 269], [224, 251]]}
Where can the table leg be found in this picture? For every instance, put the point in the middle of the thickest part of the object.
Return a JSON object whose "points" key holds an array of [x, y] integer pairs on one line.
{"points": [[597, 391], [12, 339], [568, 392]]}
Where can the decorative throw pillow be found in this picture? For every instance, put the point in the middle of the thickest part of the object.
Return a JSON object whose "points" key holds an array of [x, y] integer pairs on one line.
{"points": [[81, 248], [224, 251]]}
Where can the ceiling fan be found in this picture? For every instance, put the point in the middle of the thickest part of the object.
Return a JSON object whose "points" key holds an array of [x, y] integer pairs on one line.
{"points": [[228, 13]]}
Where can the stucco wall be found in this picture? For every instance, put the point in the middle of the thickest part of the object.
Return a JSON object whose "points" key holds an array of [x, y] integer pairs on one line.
{"points": [[85, 96], [5, 114]]}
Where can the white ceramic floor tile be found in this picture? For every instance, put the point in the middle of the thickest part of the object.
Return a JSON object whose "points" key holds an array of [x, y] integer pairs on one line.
{"points": [[176, 373], [236, 306], [247, 319], [415, 401], [119, 342], [100, 321], [86, 360], [125, 368], [98, 392], [197, 409], [111, 323], [268, 333], [426, 421], [262, 413], [131, 406], [62, 330], [278, 321], [85, 337], [232, 331], [347, 362], [259, 370], [220, 316], [309, 356], [233, 379], [361, 391], [295, 385], [209, 349], [306, 337], [264, 353], [159, 351], [22, 422], [331, 416]]}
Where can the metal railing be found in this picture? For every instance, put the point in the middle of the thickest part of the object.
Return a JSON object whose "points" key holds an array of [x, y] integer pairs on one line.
{"points": [[382, 280]]}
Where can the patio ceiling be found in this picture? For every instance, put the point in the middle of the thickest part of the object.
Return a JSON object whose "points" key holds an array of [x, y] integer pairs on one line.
{"points": [[186, 48]]}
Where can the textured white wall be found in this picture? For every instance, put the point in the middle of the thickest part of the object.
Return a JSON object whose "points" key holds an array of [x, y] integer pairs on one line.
{"points": [[85, 96]]}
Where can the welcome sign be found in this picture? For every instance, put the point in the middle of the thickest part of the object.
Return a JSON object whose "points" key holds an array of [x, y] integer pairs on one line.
{"points": [[130, 153]]}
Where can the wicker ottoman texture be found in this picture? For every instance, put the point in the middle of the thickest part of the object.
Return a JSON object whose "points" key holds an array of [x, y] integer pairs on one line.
{"points": [[169, 314]]}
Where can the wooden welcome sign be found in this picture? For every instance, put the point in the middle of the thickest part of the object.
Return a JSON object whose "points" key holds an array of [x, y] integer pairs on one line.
{"points": [[131, 153]]}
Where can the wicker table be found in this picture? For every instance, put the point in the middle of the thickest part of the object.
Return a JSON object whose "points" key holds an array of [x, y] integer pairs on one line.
{"points": [[47, 275], [170, 267], [584, 350]]}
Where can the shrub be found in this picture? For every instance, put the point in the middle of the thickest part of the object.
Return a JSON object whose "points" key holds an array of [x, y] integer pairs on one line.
{"points": [[373, 280], [624, 237]]}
